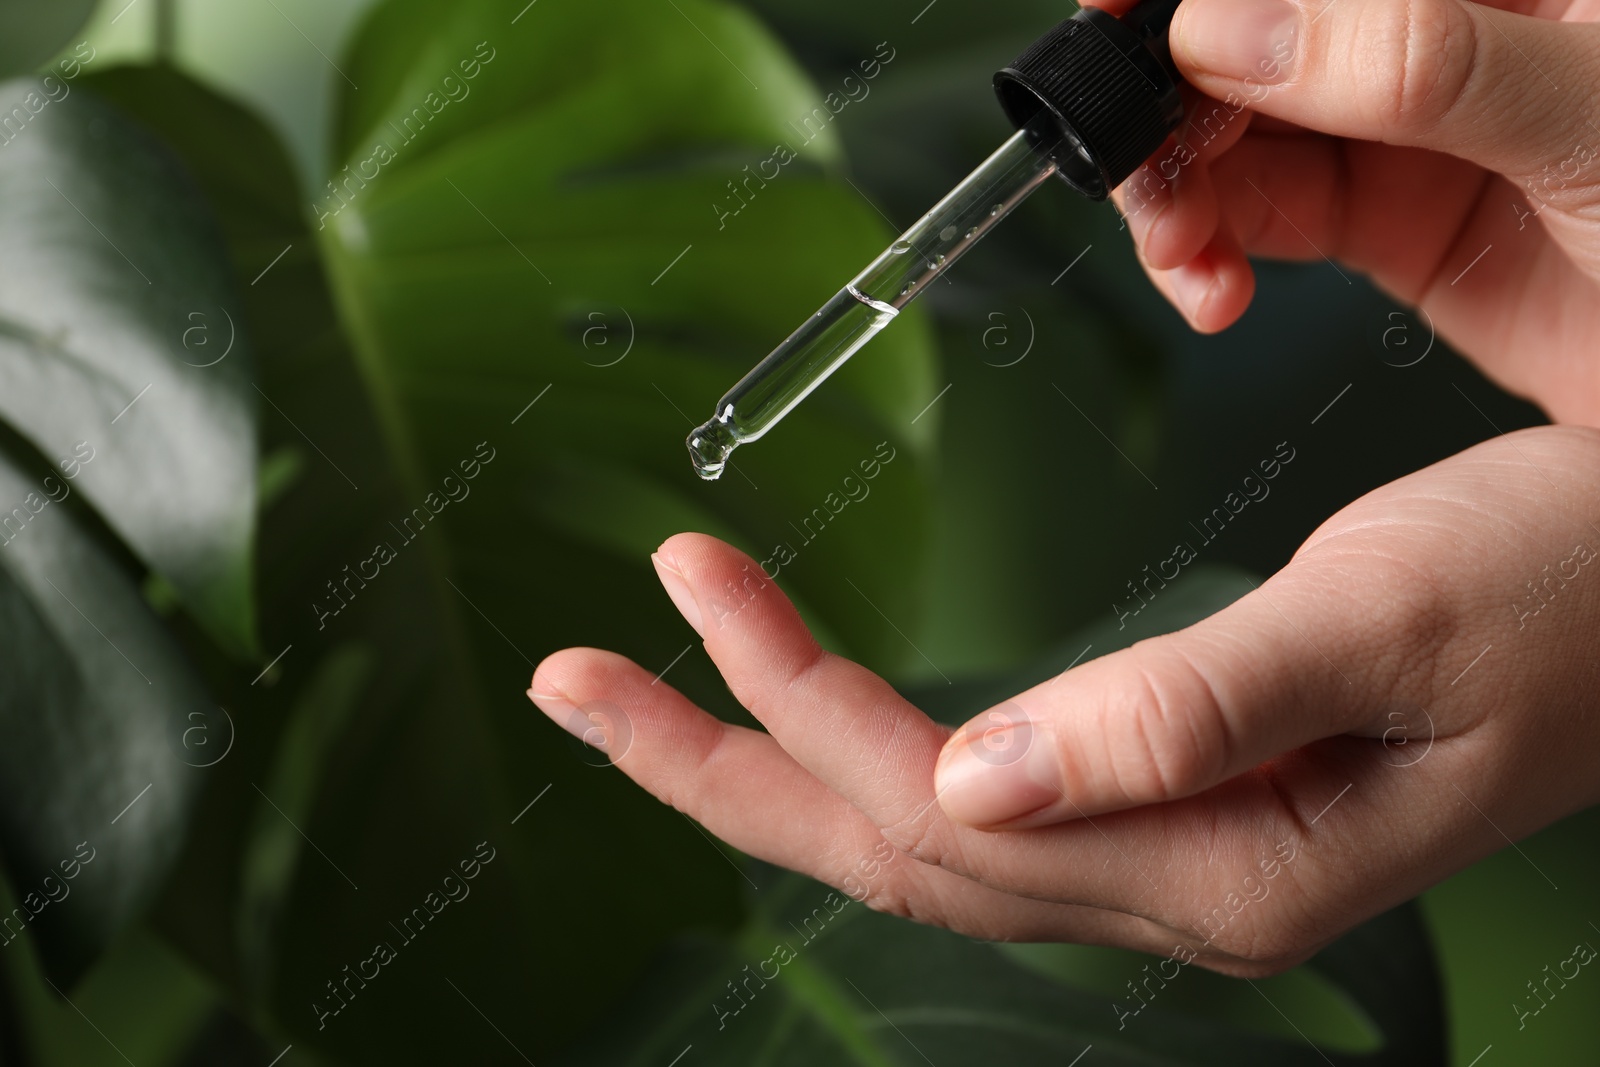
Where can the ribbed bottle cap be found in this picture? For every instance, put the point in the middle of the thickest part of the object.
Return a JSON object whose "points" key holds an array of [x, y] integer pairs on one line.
{"points": [[1110, 86]]}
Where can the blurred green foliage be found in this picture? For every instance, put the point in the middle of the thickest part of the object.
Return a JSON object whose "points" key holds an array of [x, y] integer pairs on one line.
{"points": [[532, 268]]}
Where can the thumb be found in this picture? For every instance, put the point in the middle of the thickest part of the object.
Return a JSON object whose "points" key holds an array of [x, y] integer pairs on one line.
{"points": [[1286, 665], [1505, 91]]}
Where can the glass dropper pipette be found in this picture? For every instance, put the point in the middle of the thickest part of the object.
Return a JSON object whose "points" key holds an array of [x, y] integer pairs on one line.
{"points": [[872, 299], [1092, 99]]}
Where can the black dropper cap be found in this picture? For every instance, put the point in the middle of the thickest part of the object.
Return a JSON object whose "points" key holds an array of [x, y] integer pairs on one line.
{"points": [[1110, 85]]}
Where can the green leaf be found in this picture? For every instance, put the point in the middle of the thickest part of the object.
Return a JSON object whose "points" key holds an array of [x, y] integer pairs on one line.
{"points": [[141, 1004], [426, 765], [1017, 519], [31, 31], [478, 244], [818, 978], [308, 523], [1489, 964], [287, 797], [1387, 967], [94, 703], [111, 277], [1204, 589], [1374, 993]]}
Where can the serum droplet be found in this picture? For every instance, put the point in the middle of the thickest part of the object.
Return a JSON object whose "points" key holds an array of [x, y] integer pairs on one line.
{"points": [[948, 233], [709, 448], [900, 248]]}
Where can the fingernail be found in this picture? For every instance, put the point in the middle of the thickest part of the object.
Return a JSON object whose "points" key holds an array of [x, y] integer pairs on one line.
{"points": [[998, 775], [677, 587], [547, 696], [597, 723], [1191, 286], [554, 703], [1146, 197], [1245, 40]]}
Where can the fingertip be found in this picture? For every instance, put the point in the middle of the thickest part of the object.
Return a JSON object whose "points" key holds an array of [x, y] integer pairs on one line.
{"points": [[561, 688], [570, 673], [692, 551], [999, 771], [712, 583], [703, 560], [700, 574], [1233, 288], [550, 700], [608, 701], [543, 687], [1161, 245], [1214, 288], [671, 575]]}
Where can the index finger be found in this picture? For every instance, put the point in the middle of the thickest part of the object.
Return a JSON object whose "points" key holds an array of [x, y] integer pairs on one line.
{"points": [[823, 709], [851, 730]]}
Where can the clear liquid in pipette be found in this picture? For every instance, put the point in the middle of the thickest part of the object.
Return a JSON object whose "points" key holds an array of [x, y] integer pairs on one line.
{"points": [[831, 336], [856, 313]]}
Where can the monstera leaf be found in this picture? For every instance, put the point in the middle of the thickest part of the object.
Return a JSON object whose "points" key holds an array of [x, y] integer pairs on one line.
{"points": [[818, 978], [478, 200], [117, 328], [356, 789], [94, 790], [441, 751], [114, 430], [31, 31]]}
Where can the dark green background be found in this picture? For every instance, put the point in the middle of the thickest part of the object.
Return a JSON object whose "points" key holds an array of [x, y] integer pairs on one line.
{"points": [[377, 353]]}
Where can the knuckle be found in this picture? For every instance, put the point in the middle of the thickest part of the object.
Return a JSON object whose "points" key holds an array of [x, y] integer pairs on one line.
{"points": [[890, 886], [1421, 55], [1412, 626], [763, 691], [895, 896], [1411, 606], [924, 837], [915, 838], [889, 901], [1420, 623], [1171, 739]]}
